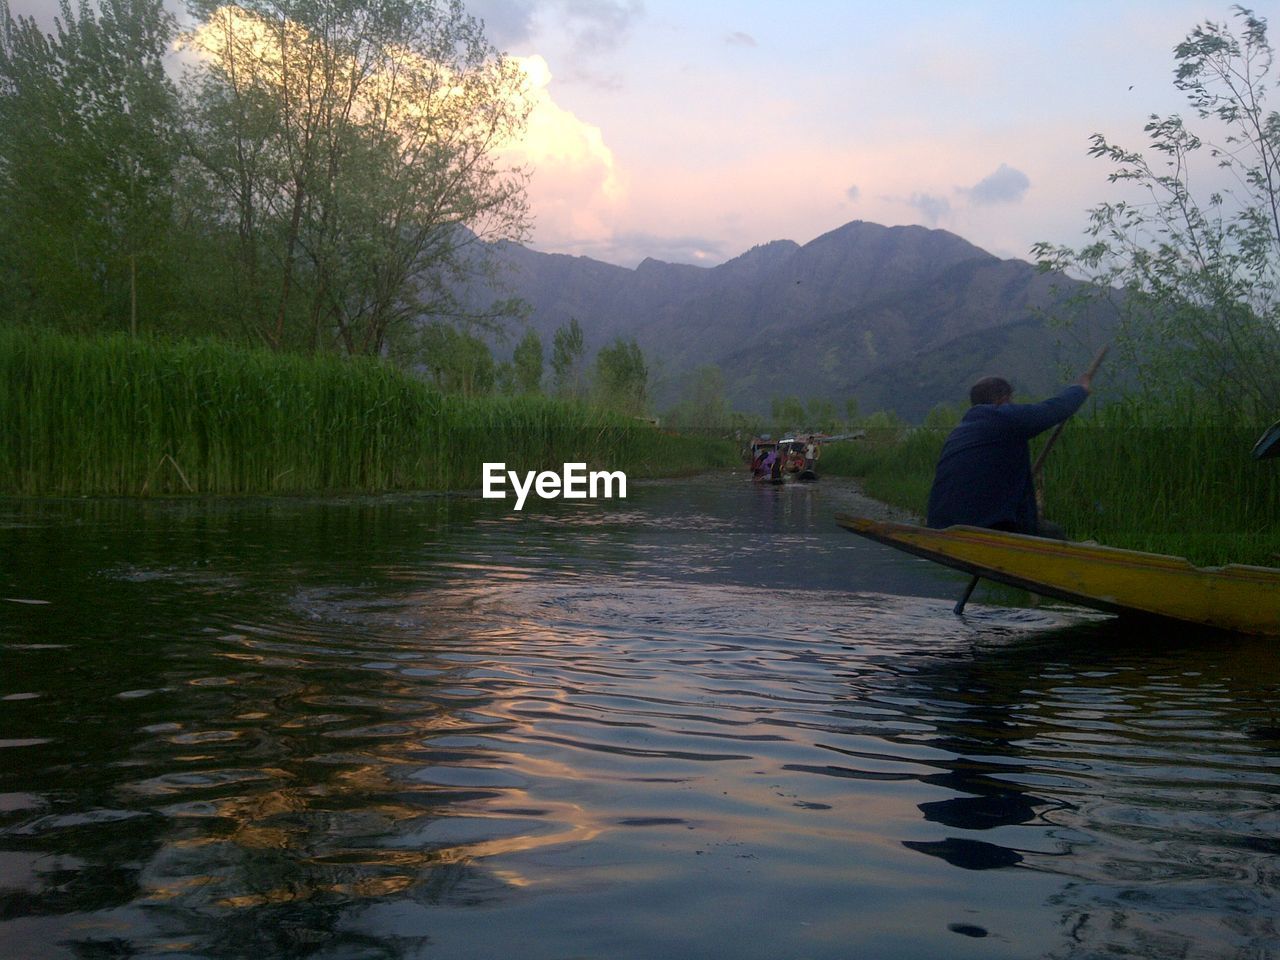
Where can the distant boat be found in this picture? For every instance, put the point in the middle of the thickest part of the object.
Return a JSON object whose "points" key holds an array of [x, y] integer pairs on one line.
{"points": [[791, 450], [1236, 597], [760, 450]]}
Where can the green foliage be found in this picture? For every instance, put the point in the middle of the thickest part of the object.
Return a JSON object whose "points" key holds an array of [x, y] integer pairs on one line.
{"points": [[622, 378], [703, 408], [821, 415], [321, 184], [566, 359], [504, 378], [792, 414], [1176, 482], [455, 361], [943, 416], [349, 145], [887, 422], [1196, 276], [127, 416], [527, 363], [894, 464], [787, 413], [88, 145]]}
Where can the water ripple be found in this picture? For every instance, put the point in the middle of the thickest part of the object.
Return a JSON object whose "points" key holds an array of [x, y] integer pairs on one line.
{"points": [[625, 737]]}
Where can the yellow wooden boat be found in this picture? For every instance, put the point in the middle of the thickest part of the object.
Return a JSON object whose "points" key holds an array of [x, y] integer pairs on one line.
{"points": [[1235, 597]]}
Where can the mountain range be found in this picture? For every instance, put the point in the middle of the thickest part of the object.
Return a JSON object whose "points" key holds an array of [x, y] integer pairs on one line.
{"points": [[902, 318]]}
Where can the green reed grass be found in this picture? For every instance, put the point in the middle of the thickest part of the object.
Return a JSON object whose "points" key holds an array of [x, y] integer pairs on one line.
{"points": [[1182, 483], [119, 416], [895, 465], [1178, 481]]}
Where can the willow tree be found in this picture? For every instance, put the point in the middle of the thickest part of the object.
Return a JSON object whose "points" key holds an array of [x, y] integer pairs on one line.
{"points": [[353, 145], [1196, 274]]}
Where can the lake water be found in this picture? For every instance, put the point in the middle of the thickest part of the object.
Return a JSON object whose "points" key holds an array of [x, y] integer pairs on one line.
{"points": [[701, 722]]}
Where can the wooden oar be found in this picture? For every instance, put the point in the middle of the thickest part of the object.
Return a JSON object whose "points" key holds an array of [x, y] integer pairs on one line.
{"points": [[1268, 444], [1057, 431], [968, 592], [1035, 474]]}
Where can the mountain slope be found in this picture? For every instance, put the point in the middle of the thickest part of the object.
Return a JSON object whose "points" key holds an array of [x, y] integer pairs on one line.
{"points": [[900, 317]]}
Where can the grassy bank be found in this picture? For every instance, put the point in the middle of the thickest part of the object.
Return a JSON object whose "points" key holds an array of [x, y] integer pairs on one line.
{"points": [[1185, 486], [118, 416]]}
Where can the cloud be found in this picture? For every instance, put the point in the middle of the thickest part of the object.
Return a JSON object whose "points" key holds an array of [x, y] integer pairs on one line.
{"points": [[853, 193], [575, 189], [581, 36], [1006, 185], [591, 28], [599, 25], [932, 207], [740, 39], [507, 23]]}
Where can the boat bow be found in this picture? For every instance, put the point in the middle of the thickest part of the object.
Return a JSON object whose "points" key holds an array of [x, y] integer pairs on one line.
{"points": [[1234, 597]]}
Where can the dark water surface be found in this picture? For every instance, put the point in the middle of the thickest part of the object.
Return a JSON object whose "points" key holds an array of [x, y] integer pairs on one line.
{"points": [[703, 722]]}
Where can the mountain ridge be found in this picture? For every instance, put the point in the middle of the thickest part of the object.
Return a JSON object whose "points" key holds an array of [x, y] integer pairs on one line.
{"points": [[850, 313]]}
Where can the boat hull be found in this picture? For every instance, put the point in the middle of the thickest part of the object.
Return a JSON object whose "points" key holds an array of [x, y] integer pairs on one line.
{"points": [[1235, 597]]}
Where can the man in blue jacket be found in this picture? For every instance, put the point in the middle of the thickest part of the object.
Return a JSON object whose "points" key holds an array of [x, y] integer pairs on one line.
{"points": [[983, 477]]}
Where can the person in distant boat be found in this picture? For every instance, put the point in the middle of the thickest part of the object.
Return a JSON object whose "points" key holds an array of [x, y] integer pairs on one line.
{"points": [[764, 468], [775, 462], [983, 477]]}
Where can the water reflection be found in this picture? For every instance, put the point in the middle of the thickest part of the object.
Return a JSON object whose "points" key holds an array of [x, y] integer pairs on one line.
{"points": [[709, 722], [1119, 756]]}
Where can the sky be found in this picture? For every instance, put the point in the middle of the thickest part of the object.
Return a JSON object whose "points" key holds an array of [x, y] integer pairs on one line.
{"points": [[692, 130]]}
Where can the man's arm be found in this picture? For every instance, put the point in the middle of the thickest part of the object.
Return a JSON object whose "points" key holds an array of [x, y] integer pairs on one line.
{"points": [[1031, 419]]}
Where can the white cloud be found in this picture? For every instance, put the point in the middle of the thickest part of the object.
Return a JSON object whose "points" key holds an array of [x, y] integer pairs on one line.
{"points": [[740, 39], [576, 188], [1005, 185]]}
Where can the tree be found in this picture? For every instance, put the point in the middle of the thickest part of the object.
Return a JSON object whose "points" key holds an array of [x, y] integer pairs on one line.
{"points": [[527, 363], [457, 362], [622, 378], [566, 359], [788, 413], [885, 424], [88, 146], [821, 415], [504, 378], [710, 409], [850, 411], [942, 416], [1196, 277], [703, 406], [356, 143]]}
